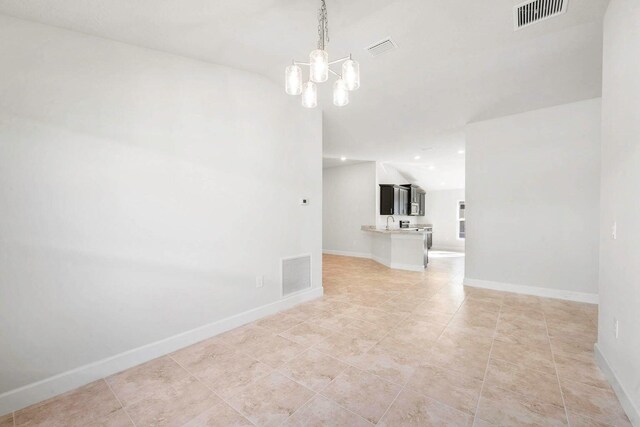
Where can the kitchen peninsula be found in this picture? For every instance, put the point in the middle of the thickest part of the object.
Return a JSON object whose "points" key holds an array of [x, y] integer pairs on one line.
{"points": [[401, 248]]}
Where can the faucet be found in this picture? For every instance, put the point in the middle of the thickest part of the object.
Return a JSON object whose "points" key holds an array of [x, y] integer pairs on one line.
{"points": [[392, 218]]}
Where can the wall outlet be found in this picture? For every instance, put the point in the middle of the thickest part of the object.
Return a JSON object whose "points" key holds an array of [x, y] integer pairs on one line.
{"points": [[614, 230], [616, 326], [259, 281]]}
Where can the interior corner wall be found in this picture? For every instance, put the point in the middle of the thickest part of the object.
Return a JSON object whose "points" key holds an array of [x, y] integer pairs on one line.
{"points": [[532, 193], [441, 208], [141, 194], [620, 202], [349, 200]]}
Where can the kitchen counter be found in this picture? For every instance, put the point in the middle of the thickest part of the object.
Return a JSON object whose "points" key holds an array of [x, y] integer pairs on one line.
{"points": [[400, 248], [417, 229]]}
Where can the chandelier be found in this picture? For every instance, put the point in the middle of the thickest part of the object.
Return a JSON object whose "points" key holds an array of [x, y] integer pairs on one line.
{"points": [[319, 69]]}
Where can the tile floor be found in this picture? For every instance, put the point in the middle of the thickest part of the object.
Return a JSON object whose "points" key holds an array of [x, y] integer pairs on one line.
{"points": [[382, 347]]}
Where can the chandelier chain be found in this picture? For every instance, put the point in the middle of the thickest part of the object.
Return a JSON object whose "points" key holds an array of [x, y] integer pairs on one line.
{"points": [[323, 26]]}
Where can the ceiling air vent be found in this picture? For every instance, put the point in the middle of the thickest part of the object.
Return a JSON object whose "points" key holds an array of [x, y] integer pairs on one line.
{"points": [[383, 46], [534, 11]]}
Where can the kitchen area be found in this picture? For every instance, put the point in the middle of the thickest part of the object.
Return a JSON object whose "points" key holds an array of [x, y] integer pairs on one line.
{"points": [[370, 210], [403, 245]]}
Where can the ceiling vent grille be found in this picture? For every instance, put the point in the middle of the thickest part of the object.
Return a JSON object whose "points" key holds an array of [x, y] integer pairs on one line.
{"points": [[534, 11], [383, 46]]}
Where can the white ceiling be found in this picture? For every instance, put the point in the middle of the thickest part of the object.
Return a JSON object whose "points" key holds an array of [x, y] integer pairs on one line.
{"points": [[457, 61], [330, 162]]}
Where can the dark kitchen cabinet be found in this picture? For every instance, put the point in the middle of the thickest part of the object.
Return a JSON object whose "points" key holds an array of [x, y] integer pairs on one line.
{"points": [[397, 199], [389, 199]]}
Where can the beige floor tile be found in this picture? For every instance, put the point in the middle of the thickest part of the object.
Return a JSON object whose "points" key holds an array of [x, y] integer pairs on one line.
{"points": [[144, 380], [243, 336], [6, 420], [119, 418], [365, 394], [417, 331], [414, 409], [177, 405], [365, 330], [426, 314], [474, 321], [313, 369], [532, 385], [503, 408], [221, 415], [78, 407], [446, 386], [524, 352], [400, 304], [580, 369], [462, 352], [332, 321], [415, 353], [224, 372], [307, 333], [389, 363], [280, 322], [270, 400], [344, 347], [521, 330], [320, 411], [576, 420], [273, 350], [568, 347], [594, 402]]}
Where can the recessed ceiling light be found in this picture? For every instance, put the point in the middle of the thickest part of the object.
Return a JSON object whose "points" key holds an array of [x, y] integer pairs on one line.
{"points": [[416, 158], [343, 158], [442, 183], [460, 151], [431, 168]]}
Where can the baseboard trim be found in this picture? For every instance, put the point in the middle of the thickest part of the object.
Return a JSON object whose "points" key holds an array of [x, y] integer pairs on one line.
{"points": [[532, 290], [447, 249], [36, 392], [347, 253], [625, 400]]}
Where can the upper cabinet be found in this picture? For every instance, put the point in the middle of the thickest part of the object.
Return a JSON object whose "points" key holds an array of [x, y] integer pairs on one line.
{"points": [[406, 200], [388, 199]]}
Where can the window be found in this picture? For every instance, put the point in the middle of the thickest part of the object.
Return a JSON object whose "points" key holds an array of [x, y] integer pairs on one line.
{"points": [[461, 223]]}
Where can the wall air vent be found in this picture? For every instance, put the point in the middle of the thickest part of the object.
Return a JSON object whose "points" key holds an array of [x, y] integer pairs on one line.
{"points": [[296, 274], [534, 11], [383, 46]]}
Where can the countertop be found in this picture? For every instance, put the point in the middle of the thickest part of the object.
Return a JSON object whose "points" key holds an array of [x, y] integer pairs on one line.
{"points": [[413, 229]]}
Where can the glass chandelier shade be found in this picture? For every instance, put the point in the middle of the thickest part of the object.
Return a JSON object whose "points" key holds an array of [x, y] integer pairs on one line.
{"points": [[309, 95], [293, 80], [340, 93], [351, 74], [319, 66]]}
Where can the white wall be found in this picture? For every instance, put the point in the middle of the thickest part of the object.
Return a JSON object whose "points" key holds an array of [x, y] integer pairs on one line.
{"points": [[532, 193], [441, 209], [141, 194], [349, 200], [620, 200], [387, 174]]}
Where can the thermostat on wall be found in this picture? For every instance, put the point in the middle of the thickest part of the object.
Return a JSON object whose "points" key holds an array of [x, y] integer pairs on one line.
{"points": [[304, 201]]}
